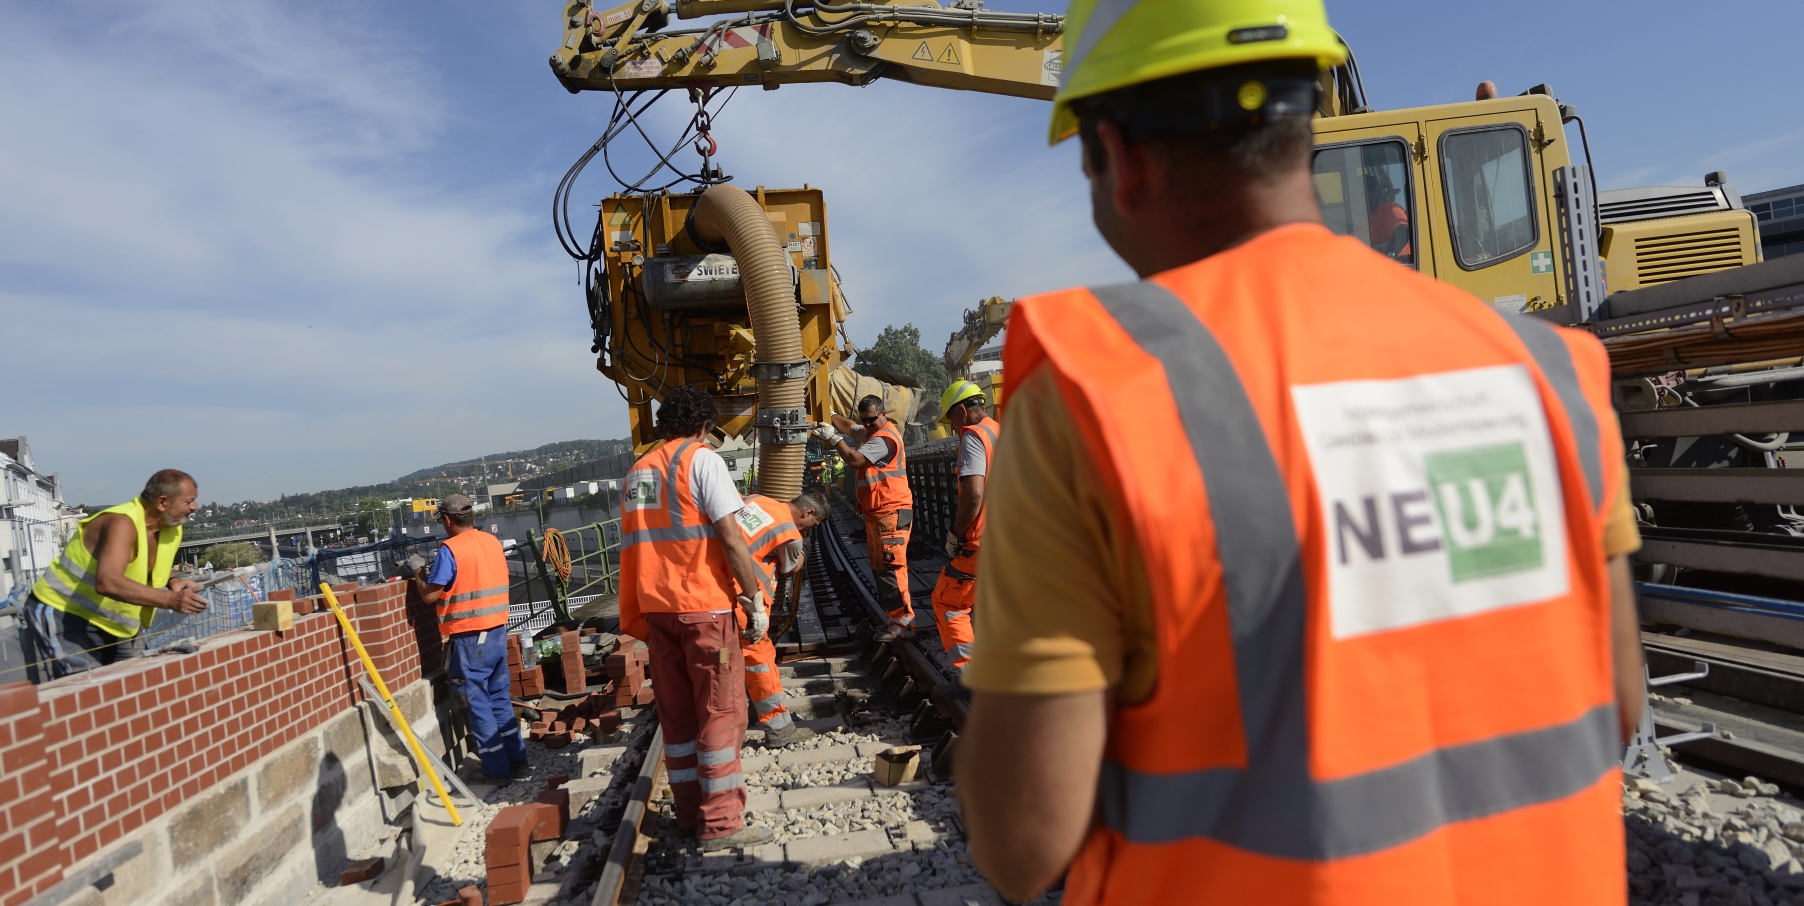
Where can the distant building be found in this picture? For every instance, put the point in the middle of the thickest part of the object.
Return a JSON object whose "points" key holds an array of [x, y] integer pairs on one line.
{"points": [[1781, 216], [34, 521]]}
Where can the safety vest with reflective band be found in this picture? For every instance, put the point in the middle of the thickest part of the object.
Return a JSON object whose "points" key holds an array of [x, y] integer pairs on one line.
{"points": [[670, 559], [986, 432], [1371, 514], [768, 525], [68, 585], [477, 598], [882, 491]]}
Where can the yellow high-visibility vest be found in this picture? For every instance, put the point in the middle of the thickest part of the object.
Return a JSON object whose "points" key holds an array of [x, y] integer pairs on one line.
{"points": [[68, 585]]}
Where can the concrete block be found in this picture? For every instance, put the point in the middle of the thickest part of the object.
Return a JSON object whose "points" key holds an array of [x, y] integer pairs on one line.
{"points": [[768, 855], [595, 759], [979, 894], [920, 835], [139, 880], [764, 801], [809, 797], [752, 764], [816, 852], [291, 769], [789, 758], [586, 789], [211, 821], [256, 857], [196, 891], [869, 749]]}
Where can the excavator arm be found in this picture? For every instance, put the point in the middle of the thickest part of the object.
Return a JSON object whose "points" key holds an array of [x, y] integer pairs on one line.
{"points": [[982, 324], [771, 43]]}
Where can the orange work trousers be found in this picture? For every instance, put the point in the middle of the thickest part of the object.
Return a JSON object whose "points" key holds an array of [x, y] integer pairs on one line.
{"points": [[953, 596], [763, 685], [698, 678], [887, 537]]}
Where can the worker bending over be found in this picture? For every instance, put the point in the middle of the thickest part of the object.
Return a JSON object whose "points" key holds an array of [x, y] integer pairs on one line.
{"points": [[886, 502], [773, 534], [91, 607], [681, 558], [1311, 567], [964, 407], [467, 584]]}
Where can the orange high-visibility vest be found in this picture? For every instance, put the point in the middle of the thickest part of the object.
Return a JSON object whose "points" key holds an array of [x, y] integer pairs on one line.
{"points": [[986, 432], [1371, 512], [670, 558], [768, 525], [882, 491], [477, 598]]}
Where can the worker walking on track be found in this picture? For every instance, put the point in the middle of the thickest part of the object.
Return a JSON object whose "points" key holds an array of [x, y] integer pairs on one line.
{"points": [[773, 533], [680, 559], [886, 503], [467, 584], [965, 409], [1311, 567], [93, 604]]}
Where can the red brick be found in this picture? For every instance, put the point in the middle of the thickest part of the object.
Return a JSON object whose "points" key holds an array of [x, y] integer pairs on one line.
{"points": [[361, 871], [519, 873], [644, 697], [511, 826], [555, 740], [469, 896], [285, 594], [506, 894]]}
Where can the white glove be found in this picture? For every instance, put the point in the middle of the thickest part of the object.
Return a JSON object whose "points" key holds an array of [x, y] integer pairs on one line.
{"points": [[826, 434], [789, 557], [954, 544], [757, 619]]}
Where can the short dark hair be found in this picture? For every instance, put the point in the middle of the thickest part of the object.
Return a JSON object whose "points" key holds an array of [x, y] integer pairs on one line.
{"points": [[167, 483], [812, 500], [1240, 146], [869, 403], [686, 410], [462, 519]]}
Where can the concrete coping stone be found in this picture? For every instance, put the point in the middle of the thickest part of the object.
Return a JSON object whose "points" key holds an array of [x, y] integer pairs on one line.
{"points": [[868, 749], [844, 791], [789, 758], [816, 852], [752, 764], [767, 801]]}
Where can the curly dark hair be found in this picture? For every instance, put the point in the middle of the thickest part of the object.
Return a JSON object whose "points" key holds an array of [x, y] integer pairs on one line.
{"points": [[686, 411]]}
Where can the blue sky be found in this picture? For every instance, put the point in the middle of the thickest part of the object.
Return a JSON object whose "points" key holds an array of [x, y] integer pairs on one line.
{"points": [[294, 246]]}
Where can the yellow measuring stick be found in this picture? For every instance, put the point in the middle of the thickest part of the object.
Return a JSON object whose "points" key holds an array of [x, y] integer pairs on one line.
{"points": [[419, 754]]}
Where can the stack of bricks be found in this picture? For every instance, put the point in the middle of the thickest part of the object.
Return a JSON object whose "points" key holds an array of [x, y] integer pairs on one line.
{"points": [[508, 852], [592, 715], [575, 678], [523, 682], [626, 666]]}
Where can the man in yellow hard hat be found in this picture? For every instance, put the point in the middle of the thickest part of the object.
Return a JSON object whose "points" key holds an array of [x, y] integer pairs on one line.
{"points": [[964, 409], [1311, 567]]}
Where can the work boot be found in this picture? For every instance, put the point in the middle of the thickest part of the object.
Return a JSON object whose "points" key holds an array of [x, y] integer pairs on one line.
{"points": [[749, 835], [474, 774], [788, 736]]}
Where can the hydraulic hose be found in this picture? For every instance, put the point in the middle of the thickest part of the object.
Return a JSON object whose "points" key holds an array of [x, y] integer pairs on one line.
{"points": [[725, 213]]}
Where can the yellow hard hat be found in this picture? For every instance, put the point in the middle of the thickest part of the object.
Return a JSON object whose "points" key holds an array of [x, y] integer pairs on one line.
{"points": [[1111, 44], [956, 392]]}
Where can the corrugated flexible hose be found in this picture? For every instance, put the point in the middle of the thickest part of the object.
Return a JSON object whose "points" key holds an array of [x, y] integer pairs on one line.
{"points": [[726, 213]]}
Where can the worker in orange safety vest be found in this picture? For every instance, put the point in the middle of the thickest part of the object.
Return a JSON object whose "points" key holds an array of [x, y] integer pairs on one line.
{"points": [[885, 501], [468, 585], [684, 571], [963, 405], [773, 533], [1312, 567]]}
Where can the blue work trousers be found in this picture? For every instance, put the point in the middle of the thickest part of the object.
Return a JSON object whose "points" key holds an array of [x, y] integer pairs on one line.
{"points": [[477, 665]]}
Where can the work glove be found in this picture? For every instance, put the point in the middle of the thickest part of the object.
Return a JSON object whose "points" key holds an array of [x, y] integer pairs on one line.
{"points": [[757, 619], [954, 544], [826, 434]]}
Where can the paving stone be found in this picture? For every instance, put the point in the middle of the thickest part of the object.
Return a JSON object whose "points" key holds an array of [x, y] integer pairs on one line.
{"points": [[752, 764], [767, 801], [595, 759], [844, 791], [581, 791], [790, 758], [979, 894], [815, 852]]}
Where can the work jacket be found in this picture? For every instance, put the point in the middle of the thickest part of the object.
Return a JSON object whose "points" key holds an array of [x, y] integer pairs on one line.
{"points": [[768, 525], [477, 598], [670, 558], [884, 490], [1371, 514], [68, 585]]}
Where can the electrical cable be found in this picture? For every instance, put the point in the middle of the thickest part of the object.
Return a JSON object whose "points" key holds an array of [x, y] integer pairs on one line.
{"points": [[557, 553]]}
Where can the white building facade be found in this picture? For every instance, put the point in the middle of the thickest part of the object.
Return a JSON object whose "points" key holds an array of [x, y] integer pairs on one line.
{"points": [[34, 521]]}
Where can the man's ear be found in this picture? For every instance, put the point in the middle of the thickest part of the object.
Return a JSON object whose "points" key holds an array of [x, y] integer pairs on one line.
{"points": [[1128, 168]]}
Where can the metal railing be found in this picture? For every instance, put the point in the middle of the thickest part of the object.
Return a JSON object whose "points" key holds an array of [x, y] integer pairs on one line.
{"points": [[593, 553]]}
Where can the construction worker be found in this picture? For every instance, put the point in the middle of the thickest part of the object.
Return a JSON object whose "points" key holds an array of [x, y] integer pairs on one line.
{"points": [[1386, 219], [680, 560], [885, 501], [964, 406], [1312, 567], [468, 586], [773, 533], [91, 606]]}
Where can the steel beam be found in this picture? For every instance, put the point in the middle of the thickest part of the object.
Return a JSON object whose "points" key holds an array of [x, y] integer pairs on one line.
{"points": [[1752, 558], [1703, 421], [1781, 486]]}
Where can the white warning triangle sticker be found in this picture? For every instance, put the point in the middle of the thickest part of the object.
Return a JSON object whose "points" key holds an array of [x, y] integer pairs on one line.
{"points": [[950, 56], [922, 53]]}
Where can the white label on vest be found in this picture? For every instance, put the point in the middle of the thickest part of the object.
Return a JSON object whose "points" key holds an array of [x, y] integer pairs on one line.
{"points": [[753, 519], [1440, 496], [643, 490]]}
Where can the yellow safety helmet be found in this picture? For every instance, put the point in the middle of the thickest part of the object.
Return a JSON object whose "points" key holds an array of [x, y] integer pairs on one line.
{"points": [[1111, 44], [956, 392]]}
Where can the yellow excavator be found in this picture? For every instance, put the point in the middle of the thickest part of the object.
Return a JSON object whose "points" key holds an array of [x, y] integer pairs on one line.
{"points": [[735, 290]]}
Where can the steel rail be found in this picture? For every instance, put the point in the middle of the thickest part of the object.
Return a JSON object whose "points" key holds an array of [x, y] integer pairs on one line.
{"points": [[625, 848]]}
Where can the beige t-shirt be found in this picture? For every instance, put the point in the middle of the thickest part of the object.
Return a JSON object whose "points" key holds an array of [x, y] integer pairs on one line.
{"points": [[1064, 604]]}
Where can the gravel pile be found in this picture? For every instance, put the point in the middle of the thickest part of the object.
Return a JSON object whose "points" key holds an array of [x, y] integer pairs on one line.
{"points": [[1708, 841]]}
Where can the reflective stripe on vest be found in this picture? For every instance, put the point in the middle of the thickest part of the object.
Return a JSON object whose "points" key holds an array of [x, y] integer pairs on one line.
{"points": [[477, 598], [770, 539], [1273, 806], [69, 585], [882, 491], [670, 558]]}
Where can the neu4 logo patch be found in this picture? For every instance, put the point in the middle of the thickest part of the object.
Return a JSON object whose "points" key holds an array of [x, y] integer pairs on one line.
{"points": [[1487, 510], [642, 490]]}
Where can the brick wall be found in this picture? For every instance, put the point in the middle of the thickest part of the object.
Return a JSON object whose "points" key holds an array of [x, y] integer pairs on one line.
{"points": [[86, 760]]}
